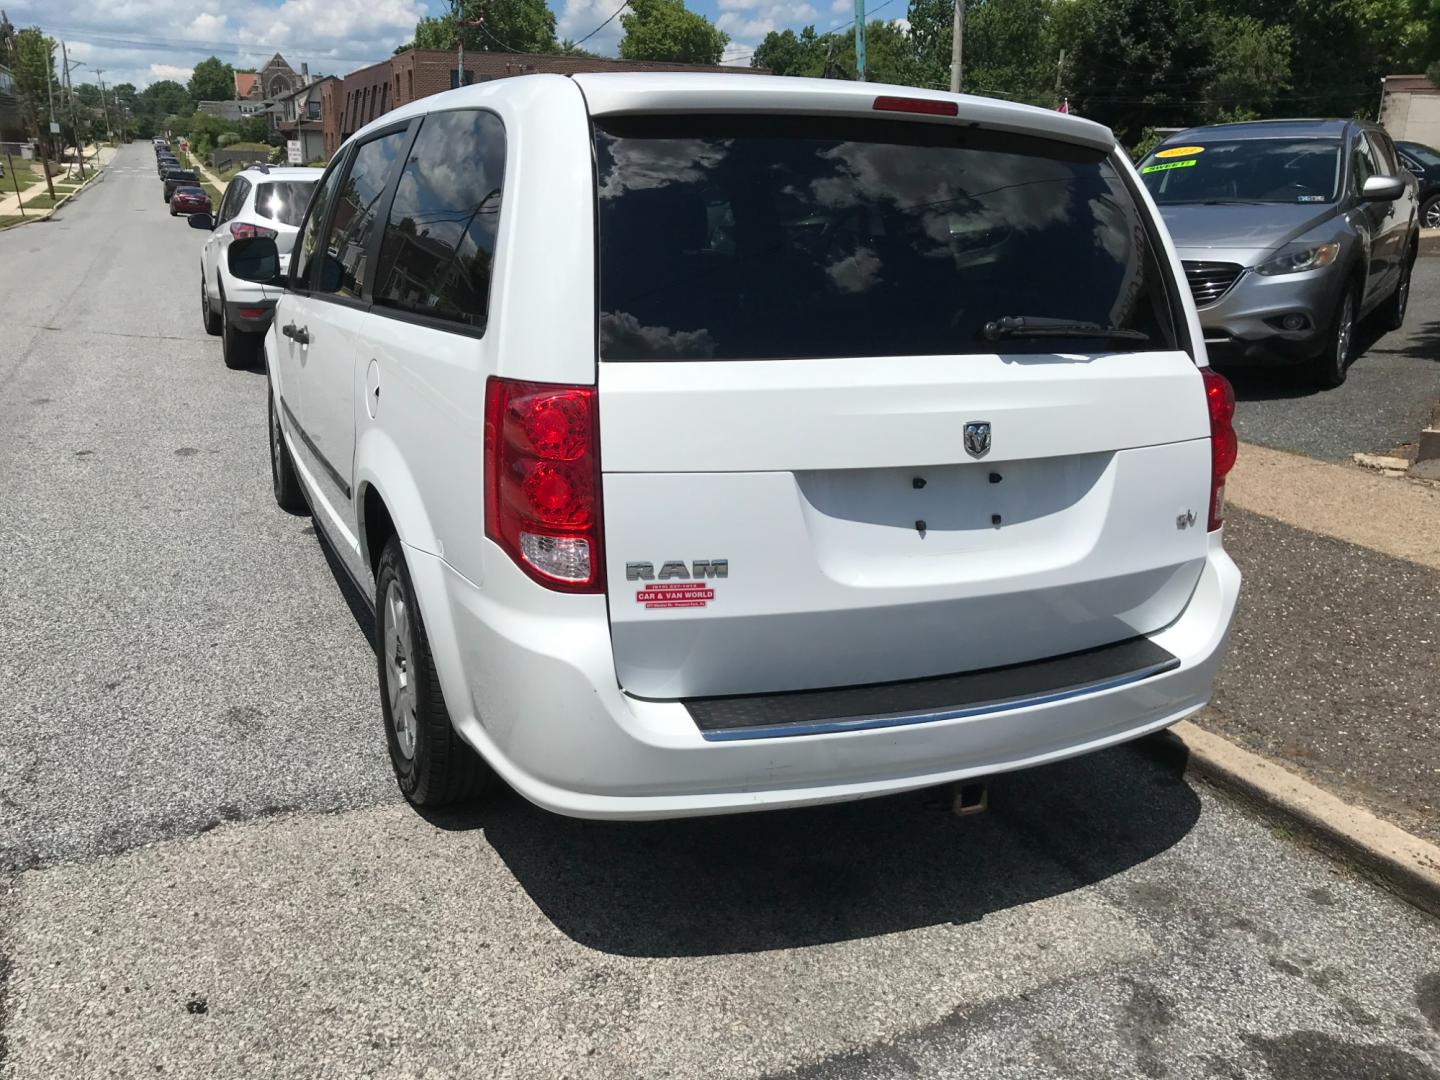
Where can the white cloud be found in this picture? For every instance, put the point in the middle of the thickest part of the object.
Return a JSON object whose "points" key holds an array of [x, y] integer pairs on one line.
{"points": [[579, 17], [753, 19], [737, 54], [140, 41]]}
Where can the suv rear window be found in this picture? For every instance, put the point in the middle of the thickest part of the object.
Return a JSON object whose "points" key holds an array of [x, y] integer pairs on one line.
{"points": [[777, 237], [283, 200]]}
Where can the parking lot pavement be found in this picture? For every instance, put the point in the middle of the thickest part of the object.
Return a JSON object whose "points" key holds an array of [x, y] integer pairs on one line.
{"points": [[1384, 403], [1104, 919], [204, 870], [1331, 667]]}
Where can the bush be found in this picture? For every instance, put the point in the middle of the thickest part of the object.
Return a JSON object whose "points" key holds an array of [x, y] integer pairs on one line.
{"points": [[230, 138]]}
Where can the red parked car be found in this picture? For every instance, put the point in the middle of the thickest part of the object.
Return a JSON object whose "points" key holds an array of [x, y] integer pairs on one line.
{"points": [[189, 200]]}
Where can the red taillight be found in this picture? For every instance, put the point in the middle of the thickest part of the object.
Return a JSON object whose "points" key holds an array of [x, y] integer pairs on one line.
{"points": [[1220, 398], [542, 481], [251, 312], [243, 230], [924, 106]]}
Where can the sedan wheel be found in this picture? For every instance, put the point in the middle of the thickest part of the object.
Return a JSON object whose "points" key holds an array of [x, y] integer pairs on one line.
{"points": [[1430, 213]]}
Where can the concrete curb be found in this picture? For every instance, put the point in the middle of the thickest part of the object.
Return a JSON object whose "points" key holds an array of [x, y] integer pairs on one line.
{"points": [[1406, 864], [1430, 241]]}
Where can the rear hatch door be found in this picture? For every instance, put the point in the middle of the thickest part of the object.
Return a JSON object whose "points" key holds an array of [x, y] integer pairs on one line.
{"points": [[828, 458]]}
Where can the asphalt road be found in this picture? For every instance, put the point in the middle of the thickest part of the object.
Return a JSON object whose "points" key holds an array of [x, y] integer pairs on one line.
{"points": [[1386, 398], [205, 871]]}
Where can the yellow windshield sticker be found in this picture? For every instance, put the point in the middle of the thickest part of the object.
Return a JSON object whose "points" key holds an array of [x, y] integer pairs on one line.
{"points": [[1168, 165], [1180, 151]]}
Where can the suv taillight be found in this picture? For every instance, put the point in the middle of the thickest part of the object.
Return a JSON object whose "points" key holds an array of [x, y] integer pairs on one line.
{"points": [[1220, 399], [243, 230], [542, 481]]}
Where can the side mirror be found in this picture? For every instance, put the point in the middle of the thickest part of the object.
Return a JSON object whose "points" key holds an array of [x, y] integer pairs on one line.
{"points": [[1382, 189], [256, 259], [202, 220]]}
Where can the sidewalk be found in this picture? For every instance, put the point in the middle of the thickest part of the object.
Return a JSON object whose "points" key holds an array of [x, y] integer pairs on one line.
{"points": [[1332, 668], [10, 202]]}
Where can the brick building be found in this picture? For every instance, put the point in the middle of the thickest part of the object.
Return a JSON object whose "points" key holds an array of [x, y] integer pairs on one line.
{"points": [[417, 73]]}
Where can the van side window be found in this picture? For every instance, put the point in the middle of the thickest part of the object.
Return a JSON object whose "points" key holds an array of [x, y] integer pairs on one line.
{"points": [[357, 206], [439, 242], [306, 243]]}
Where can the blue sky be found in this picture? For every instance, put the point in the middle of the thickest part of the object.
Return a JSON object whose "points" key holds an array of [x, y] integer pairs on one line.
{"points": [[140, 41]]}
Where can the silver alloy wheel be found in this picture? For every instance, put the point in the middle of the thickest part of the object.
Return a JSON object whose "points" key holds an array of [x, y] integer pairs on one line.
{"points": [[1432, 215], [1347, 329], [399, 648]]}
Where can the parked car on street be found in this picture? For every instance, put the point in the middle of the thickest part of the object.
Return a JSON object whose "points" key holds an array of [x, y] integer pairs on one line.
{"points": [[712, 443], [175, 178], [258, 201], [164, 162], [1291, 231], [1424, 162], [189, 199]]}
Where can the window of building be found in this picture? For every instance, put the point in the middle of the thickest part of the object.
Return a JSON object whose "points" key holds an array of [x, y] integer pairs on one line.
{"points": [[439, 242]]}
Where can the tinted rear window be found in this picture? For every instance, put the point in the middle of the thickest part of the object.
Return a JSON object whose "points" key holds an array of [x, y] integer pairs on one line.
{"points": [[757, 238], [283, 200]]}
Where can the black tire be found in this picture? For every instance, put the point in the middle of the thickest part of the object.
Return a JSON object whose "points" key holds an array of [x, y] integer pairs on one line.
{"points": [[1430, 213], [172, 211], [1391, 314], [1333, 364], [208, 315], [238, 349], [288, 494], [440, 768]]}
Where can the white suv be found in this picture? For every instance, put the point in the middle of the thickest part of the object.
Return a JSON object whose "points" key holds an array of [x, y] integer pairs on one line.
{"points": [[258, 201], [713, 443]]}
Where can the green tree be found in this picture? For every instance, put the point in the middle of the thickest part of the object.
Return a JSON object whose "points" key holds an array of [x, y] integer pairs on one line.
{"points": [[166, 98], [212, 80], [34, 74], [785, 52], [666, 30], [1249, 68], [526, 26]]}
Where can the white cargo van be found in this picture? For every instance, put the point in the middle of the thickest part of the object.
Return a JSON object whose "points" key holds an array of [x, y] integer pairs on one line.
{"points": [[713, 443]]}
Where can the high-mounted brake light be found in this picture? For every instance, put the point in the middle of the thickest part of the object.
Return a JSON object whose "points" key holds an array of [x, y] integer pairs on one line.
{"points": [[925, 106], [1224, 444], [542, 481]]}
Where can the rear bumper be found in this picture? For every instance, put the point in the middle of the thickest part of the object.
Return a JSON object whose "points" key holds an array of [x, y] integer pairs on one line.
{"points": [[536, 695], [250, 315]]}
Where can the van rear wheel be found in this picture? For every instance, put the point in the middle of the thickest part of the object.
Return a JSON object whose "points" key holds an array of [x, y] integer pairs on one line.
{"points": [[432, 764]]}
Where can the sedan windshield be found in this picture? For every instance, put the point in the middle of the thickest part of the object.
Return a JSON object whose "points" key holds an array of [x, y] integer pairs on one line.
{"points": [[1246, 170]]}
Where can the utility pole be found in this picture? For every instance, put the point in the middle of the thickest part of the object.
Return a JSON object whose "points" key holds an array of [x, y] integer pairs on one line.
{"points": [[74, 117], [458, 7], [49, 135], [957, 44], [860, 40], [109, 131], [1059, 75]]}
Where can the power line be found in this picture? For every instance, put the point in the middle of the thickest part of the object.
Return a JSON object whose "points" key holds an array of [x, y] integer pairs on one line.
{"points": [[607, 22]]}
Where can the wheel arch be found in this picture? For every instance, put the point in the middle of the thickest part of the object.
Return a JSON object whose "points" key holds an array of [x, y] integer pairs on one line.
{"points": [[387, 499]]}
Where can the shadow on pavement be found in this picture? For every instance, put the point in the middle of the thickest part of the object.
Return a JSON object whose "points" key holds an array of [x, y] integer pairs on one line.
{"points": [[780, 880]]}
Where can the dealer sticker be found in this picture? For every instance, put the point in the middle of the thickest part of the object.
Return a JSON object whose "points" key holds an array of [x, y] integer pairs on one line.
{"points": [[1180, 151], [1168, 165], [674, 594]]}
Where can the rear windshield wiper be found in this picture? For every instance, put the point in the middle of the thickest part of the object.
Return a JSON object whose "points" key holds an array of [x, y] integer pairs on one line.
{"points": [[1035, 326]]}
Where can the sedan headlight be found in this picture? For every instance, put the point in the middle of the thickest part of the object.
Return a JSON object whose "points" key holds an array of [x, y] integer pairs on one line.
{"points": [[1298, 257]]}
